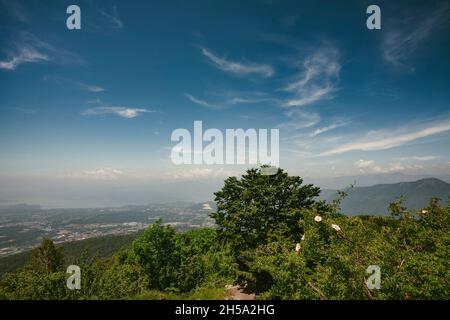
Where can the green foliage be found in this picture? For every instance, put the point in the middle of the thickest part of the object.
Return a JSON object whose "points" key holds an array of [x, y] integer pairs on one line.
{"points": [[46, 258], [110, 278], [258, 209], [208, 291], [155, 251], [412, 253], [161, 263], [99, 247], [180, 261], [42, 277], [28, 285]]}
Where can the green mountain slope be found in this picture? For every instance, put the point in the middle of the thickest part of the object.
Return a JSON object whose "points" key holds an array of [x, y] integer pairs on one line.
{"points": [[100, 247], [375, 199]]}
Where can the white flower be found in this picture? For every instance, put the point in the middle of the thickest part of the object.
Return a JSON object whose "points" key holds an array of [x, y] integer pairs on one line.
{"points": [[424, 211], [336, 227], [317, 218], [297, 247], [303, 237]]}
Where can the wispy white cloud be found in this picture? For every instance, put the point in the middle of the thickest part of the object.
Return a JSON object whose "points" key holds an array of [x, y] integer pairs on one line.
{"points": [[87, 87], [419, 158], [386, 139], [370, 166], [329, 128], [24, 54], [299, 119], [79, 84], [95, 101], [241, 100], [198, 101], [112, 16], [239, 68], [317, 79], [124, 112], [227, 100], [310, 96], [28, 48], [105, 173], [401, 41]]}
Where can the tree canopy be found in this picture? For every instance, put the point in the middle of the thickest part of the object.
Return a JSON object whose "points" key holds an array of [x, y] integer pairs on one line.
{"points": [[257, 208]]}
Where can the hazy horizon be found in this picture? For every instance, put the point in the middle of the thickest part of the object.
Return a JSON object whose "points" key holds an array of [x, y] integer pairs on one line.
{"points": [[109, 194]]}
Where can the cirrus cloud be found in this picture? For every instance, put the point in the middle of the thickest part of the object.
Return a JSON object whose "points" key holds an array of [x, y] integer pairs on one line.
{"points": [[104, 173], [27, 48], [370, 166], [387, 139], [318, 79], [239, 68], [124, 112]]}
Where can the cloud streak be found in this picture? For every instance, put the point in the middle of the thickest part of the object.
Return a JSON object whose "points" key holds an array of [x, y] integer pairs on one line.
{"points": [[383, 140], [370, 166], [105, 173], [419, 158], [399, 44], [238, 68], [112, 16], [328, 128], [24, 54], [79, 84], [200, 102], [300, 119], [229, 100], [87, 87], [124, 112], [317, 80], [30, 49]]}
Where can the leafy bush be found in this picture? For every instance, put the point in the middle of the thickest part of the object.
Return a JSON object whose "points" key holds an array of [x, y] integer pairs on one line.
{"points": [[180, 261], [411, 251]]}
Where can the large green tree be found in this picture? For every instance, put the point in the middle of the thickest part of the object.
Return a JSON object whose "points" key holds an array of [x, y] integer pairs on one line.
{"points": [[258, 208], [46, 258], [156, 252]]}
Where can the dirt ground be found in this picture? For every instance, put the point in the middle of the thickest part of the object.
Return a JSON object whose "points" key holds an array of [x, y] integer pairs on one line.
{"points": [[235, 292]]}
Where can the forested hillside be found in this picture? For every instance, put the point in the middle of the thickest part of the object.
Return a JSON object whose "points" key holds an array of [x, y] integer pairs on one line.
{"points": [[99, 247], [375, 199], [273, 238]]}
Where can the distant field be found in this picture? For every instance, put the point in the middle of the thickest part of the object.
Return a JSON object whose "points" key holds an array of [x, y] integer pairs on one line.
{"points": [[101, 247]]}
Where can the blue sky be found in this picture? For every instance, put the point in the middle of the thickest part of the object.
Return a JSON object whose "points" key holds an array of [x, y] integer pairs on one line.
{"points": [[94, 106]]}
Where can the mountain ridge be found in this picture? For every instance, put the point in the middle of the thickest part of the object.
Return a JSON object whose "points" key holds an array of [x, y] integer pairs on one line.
{"points": [[375, 199]]}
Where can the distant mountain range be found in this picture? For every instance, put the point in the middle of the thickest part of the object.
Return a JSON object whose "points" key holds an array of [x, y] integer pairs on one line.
{"points": [[375, 199], [368, 180]]}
